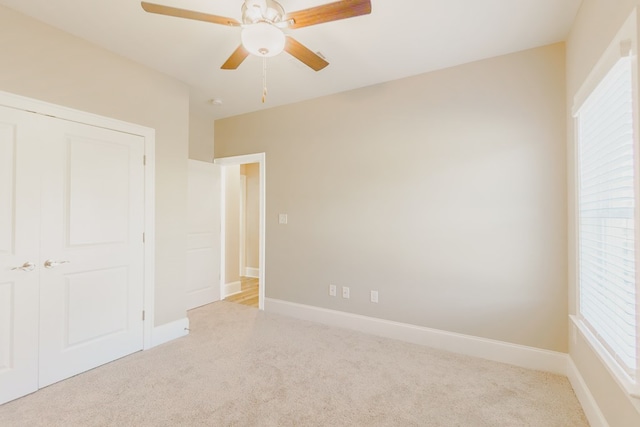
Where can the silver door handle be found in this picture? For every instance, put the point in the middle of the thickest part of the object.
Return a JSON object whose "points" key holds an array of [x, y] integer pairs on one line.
{"points": [[27, 266], [52, 264]]}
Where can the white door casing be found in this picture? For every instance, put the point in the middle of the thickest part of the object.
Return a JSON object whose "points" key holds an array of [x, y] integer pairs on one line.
{"points": [[259, 158], [243, 226], [203, 238]]}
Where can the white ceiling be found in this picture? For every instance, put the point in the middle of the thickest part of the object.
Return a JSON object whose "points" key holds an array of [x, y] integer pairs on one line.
{"points": [[400, 38]]}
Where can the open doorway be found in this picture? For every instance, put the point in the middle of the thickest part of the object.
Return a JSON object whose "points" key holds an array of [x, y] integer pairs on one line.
{"points": [[243, 228]]}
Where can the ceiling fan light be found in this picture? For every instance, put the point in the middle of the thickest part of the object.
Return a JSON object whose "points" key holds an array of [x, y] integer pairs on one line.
{"points": [[263, 39]]}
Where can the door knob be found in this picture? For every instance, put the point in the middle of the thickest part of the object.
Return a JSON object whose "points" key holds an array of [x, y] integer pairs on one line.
{"points": [[27, 266], [52, 264]]}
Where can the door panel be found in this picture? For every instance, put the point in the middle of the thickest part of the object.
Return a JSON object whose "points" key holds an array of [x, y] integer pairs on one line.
{"points": [[19, 224], [202, 274], [7, 193], [18, 353], [98, 177], [7, 314], [91, 299], [7, 186], [96, 305], [203, 238]]}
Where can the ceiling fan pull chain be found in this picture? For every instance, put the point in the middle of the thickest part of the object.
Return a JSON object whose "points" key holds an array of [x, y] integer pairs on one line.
{"points": [[264, 80]]}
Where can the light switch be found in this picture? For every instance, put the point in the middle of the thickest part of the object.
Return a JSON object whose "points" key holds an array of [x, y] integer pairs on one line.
{"points": [[374, 296], [282, 219]]}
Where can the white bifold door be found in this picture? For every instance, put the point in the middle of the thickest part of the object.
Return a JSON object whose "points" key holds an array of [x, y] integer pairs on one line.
{"points": [[71, 248]]}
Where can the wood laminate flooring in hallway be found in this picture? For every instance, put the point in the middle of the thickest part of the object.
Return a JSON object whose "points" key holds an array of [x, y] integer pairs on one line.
{"points": [[248, 294]]}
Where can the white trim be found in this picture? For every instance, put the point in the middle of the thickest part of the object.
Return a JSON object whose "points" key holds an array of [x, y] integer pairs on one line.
{"points": [[499, 351], [11, 100], [149, 236], [170, 331], [243, 224], [231, 289], [262, 284], [589, 405], [23, 103], [623, 44], [614, 369], [223, 232], [252, 272], [261, 159]]}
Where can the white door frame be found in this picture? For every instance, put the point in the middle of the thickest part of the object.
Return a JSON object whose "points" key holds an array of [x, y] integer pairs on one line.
{"points": [[20, 102], [243, 225], [259, 158]]}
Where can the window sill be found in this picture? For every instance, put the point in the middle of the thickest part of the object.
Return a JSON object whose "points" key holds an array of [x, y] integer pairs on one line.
{"points": [[631, 387]]}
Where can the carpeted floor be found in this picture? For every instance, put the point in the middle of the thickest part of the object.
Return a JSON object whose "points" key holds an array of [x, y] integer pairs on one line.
{"points": [[242, 367]]}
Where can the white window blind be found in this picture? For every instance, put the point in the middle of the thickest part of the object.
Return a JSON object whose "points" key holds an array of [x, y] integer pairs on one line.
{"points": [[607, 218]]}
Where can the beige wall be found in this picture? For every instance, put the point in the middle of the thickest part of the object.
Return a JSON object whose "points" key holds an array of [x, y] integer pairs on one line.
{"points": [[200, 138], [44, 63], [446, 192], [232, 224], [597, 23], [252, 212]]}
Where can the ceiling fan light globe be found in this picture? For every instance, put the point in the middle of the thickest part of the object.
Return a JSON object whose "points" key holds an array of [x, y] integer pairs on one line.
{"points": [[263, 39]]}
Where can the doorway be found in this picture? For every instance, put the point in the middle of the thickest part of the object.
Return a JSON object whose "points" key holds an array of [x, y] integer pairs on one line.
{"points": [[232, 271]]}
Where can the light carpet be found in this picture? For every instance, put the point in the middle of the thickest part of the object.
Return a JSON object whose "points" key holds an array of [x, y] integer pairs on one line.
{"points": [[242, 367]]}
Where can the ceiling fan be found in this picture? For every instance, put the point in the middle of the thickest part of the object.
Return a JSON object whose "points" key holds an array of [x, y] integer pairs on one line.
{"points": [[262, 24]]}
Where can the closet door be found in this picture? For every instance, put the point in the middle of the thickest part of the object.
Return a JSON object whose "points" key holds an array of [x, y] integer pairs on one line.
{"points": [[19, 241], [91, 266], [71, 249]]}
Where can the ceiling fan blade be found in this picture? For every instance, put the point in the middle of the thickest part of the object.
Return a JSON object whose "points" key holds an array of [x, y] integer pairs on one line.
{"points": [[188, 14], [302, 53], [236, 58], [329, 12]]}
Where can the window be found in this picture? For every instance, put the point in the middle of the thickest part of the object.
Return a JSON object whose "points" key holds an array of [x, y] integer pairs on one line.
{"points": [[606, 204], [607, 219]]}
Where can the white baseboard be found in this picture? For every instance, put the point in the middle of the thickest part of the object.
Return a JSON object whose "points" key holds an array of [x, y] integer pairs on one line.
{"points": [[589, 405], [252, 272], [169, 331], [231, 288], [499, 351]]}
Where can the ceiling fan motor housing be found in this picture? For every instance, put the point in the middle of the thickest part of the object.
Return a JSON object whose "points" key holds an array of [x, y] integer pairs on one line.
{"points": [[254, 11]]}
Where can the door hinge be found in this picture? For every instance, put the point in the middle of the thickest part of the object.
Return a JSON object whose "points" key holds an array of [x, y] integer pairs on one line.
{"points": [[142, 314], [143, 238], [144, 160]]}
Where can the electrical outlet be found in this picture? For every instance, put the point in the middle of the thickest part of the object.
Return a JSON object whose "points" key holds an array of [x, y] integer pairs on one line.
{"points": [[332, 290], [345, 292], [374, 296]]}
